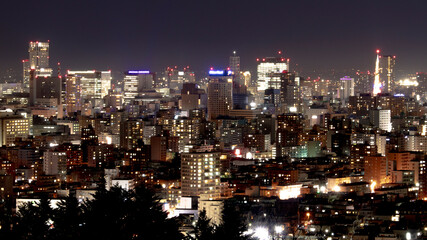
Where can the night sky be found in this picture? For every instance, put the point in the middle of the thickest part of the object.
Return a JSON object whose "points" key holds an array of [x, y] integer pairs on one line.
{"points": [[121, 35]]}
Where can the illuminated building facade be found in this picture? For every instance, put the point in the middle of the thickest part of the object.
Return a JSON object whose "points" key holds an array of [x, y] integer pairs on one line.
{"points": [[381, 119], [346, 89], [55, 163], [363, 82], [13, 127], [378, 169], [289, 92], [131, 133], [94, 85], [200, 174], [47, 89], [220, 95], [269, 70], [38, 61], [377, 82], [192, 97], [135, 82], [387, 73], [289, 132], [73, 94], [39, 55], [174, 78]]}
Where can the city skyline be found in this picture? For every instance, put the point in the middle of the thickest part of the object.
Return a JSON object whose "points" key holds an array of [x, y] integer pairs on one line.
{"points": [[316, 36]]}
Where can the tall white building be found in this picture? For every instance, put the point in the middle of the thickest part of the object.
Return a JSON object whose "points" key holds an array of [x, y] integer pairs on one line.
{"points": [[200, 174], [381, 119], [269, 70]]}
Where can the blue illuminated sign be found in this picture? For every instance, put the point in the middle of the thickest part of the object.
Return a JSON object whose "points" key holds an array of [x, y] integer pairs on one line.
{"points": [[220, 73], [138, 72]]}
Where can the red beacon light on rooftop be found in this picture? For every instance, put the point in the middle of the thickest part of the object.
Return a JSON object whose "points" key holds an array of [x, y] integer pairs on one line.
{"points": [[378, 51]]}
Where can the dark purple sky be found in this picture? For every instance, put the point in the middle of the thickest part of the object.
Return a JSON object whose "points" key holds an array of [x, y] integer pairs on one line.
{"points": [[120, 35]]}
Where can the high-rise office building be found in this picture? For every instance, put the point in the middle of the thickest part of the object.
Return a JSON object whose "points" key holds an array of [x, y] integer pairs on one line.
{"points": [[192, 97], [38, 60], [289, 132], [200, 174], [94, 85], [39, 55], [378, 169], [387, 73], [381, 119], [346, 89], [26, 75], [55, 163], [235, 63], [269, 70], [289, 92], [12, 127], [220, 93], [363, 82], [174, 78], [135, 82], [48, 91], [73, 94]]}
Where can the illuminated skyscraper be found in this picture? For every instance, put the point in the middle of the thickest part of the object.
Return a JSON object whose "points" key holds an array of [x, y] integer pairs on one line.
{"points": [[39, 55], [363, 82], [94, 85], [26, 74], [192, 97], [289, 92], [220, 93], [269, 70], [135, 82], [48, 91], [38, 60], [73, 94], [346, 89], [377, 83], [386, 72], [381, 119], [235, 63], [174, 78]]}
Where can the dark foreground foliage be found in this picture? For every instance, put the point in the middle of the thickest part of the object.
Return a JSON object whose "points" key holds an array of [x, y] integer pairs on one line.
{"points": [[114, 214]]}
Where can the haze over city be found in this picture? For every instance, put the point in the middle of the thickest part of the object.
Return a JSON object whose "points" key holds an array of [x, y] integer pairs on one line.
{"points": [[316, 35]]}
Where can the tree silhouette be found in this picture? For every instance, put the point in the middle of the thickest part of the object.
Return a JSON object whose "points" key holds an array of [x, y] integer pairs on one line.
{"points": [[233, 225], [35, 220], [204, 229], [113, 214], [67, 219]]}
